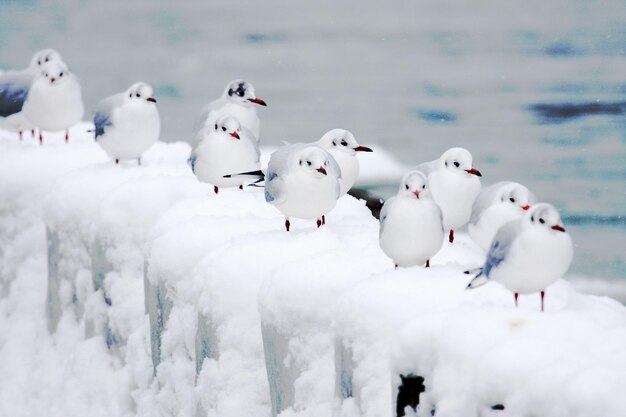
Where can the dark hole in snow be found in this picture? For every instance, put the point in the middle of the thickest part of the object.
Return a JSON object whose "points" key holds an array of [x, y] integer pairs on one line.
{"points": [[498, 407], [409, 393]]}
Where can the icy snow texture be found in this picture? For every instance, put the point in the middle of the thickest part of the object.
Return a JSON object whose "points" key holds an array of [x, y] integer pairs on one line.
{"points": [[228, 291]]}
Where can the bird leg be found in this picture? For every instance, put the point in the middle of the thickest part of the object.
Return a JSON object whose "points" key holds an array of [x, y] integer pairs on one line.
{"points": [[32, 133], [139, 161], [396, 266], [516, 295], [319, 223], [287, 224], [241, 186], [20, 133], [451, 236], [67, 135], [427, 263], [40, 138], [216, 189], [324, 219], [543, 295]]}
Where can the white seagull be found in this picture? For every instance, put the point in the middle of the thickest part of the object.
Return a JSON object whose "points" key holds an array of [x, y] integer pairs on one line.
{"points": [[227, 148], [495, 206], [239, 100], [411, 228], [54, 101], [342, 145], [14, 87], [454, 185], [528, 254], [127, 123]]}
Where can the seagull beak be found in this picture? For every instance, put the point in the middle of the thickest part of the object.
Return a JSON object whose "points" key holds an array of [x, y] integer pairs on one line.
{"points": [[363, 149], [257, 101], [558, 227], [417, 194], [151, 99], [526, 207], [52, 79], [474, 171], [235, 135], [322, 170]]}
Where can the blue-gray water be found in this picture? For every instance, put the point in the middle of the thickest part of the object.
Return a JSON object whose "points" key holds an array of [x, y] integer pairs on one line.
{"points": [[535, 89]]}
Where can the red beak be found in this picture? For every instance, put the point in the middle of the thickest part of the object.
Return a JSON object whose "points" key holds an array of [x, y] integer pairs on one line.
{"points": [[258, 101], [322, 170], [417, 194], [52, 79], [526, 207], [235, 135], [474, 171], [558, 227], [151, 99], [363, 149]]}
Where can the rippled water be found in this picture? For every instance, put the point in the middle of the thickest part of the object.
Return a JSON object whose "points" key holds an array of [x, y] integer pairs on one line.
{"points": [[535, 89]]}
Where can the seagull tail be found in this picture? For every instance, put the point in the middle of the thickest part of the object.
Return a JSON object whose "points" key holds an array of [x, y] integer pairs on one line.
{"points": [[478, 281], [259, 174]]}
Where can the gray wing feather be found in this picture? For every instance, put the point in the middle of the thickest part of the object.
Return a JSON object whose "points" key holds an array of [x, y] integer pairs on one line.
{"points": [[103, 114], [501, 245], [14, 88]]}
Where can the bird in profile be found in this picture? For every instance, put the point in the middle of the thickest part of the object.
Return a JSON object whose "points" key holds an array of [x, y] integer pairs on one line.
{"points": [[127, 123], [411, 228], [454, 185], [529, 254]]}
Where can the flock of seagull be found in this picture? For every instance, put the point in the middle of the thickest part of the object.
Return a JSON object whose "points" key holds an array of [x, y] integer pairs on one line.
{"points": [[526, 244]]}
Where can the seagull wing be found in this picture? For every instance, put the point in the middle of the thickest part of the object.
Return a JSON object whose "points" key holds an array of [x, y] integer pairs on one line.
{"points": [[14, 87], [103, 115]]}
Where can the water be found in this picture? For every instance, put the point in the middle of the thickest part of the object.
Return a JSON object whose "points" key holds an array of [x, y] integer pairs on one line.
{"points": [[536, 90]]}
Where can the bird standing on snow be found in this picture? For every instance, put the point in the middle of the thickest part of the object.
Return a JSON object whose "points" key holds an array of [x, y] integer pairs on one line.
{"points": [[238, 100], [14, 87], [454, 185], [127, 123], [342, 145], [411, 228], [529, 254], [495, 206], [54, 101], [227, 147]]}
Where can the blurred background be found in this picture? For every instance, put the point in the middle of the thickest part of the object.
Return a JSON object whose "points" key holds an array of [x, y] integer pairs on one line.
{"points": [[536, 90]]}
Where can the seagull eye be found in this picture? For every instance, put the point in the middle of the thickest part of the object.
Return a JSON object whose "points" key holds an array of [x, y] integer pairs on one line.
{"points": [[39, 62], [308, 163], [240, 93], [344, 143], [300, 162], [215, 126], [456, 164], [532, 218], [334, 143], [137, 95], [223, 129], [47, 59], [424, 186], [542, 221], [446, 163], [406, 186], [61, 74], [46, 75], [130, 95], [512, 200]]}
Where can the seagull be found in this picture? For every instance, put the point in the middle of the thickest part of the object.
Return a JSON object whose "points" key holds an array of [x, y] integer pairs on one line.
{"points": [[54, 101], [454, 185], [238, 100], [340, 143], [14, 87], [411, 223], [227, 147], [127, 123], [528, 254], [495, 206]]}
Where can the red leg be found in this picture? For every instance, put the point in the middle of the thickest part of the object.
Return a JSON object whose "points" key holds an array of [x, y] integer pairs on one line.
{"points": [[543, 295], [32, 132], [319, 223], [241, 186], [396, 266], [117, 161], [20, 133], [516, 296], [451, 236], [215, 189], [427, 263], [40, 138], [287, 224], [324, 219], [67, 136]]}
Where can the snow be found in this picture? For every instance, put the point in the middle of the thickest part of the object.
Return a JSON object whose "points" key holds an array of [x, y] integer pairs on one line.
{"points": [[136, 291]]}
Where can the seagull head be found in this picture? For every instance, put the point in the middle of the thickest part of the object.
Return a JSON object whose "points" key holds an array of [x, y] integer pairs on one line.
{"points": [[140, 93], [458, 160], [342, 140], [315, 161], [517, 195], [242, 92], [55, 72], [42, 57], [229, 127], [545, 216], [413, 185]]}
